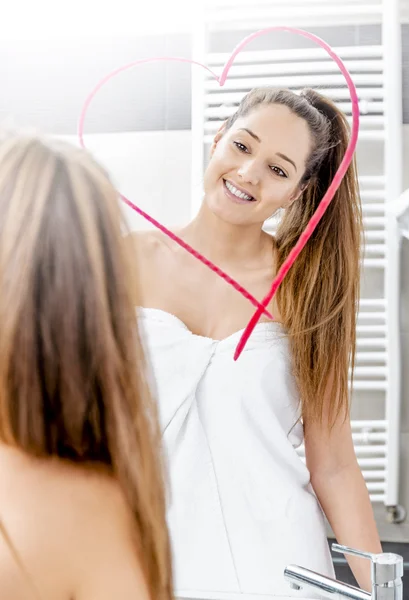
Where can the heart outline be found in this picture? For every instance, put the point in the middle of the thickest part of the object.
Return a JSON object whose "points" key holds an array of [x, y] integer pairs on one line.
{"points": [[328, 196]]}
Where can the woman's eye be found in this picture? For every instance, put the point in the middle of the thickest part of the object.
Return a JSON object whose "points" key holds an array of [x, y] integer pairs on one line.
{"points": [[279, 171], [240, 146]]}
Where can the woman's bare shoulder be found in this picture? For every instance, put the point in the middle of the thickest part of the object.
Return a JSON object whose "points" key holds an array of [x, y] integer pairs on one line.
{"points": [[155, 258], [72, 527], [148, 244]]}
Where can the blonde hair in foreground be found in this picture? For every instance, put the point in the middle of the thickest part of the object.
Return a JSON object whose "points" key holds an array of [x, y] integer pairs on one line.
{"points": [[72, 379]]}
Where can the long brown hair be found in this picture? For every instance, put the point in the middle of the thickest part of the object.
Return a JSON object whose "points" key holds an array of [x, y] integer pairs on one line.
{"points": [[72, 373], [318, 298]]}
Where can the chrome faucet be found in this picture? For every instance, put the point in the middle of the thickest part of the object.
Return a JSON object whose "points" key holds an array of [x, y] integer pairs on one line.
{"points": [[386, 575]]}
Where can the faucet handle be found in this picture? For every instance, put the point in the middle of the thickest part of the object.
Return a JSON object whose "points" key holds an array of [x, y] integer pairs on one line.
{"points": [[386, 566], [352, 551]]}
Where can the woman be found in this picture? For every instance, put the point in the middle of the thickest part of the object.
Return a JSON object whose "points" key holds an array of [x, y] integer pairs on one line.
{"points": [[243, 504], [82, 508]]}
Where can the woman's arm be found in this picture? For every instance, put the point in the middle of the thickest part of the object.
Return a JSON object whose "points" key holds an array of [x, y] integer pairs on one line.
{"points": [[341, 490]]}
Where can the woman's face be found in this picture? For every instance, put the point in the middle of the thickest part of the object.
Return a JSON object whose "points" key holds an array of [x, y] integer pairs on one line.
{"points": [[256, 166]]}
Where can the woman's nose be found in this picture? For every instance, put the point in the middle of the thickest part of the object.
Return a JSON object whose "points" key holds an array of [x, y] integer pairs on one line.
{"points": [[249, 172]]}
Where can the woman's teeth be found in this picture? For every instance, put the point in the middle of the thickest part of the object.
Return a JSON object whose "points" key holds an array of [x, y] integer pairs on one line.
{"points": [[237, 192]]}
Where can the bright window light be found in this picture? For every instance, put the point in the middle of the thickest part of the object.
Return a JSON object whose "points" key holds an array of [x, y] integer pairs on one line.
{"points": [[51, 19]]}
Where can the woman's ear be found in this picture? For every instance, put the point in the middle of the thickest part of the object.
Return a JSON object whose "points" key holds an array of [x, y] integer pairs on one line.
{"points": [[217, 138]]}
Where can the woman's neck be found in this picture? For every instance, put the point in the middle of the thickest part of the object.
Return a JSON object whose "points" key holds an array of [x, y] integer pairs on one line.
{"points": [[226, 243]]}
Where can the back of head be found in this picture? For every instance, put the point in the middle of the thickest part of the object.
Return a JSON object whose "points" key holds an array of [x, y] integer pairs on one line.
{"points": [[71, 368]]}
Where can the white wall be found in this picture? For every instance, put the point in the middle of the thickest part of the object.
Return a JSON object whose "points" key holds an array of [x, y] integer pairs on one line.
{"points": [[152, 169]]}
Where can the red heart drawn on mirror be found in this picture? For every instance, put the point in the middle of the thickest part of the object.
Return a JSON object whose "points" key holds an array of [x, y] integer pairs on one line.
{"points": [[328, 196]]}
